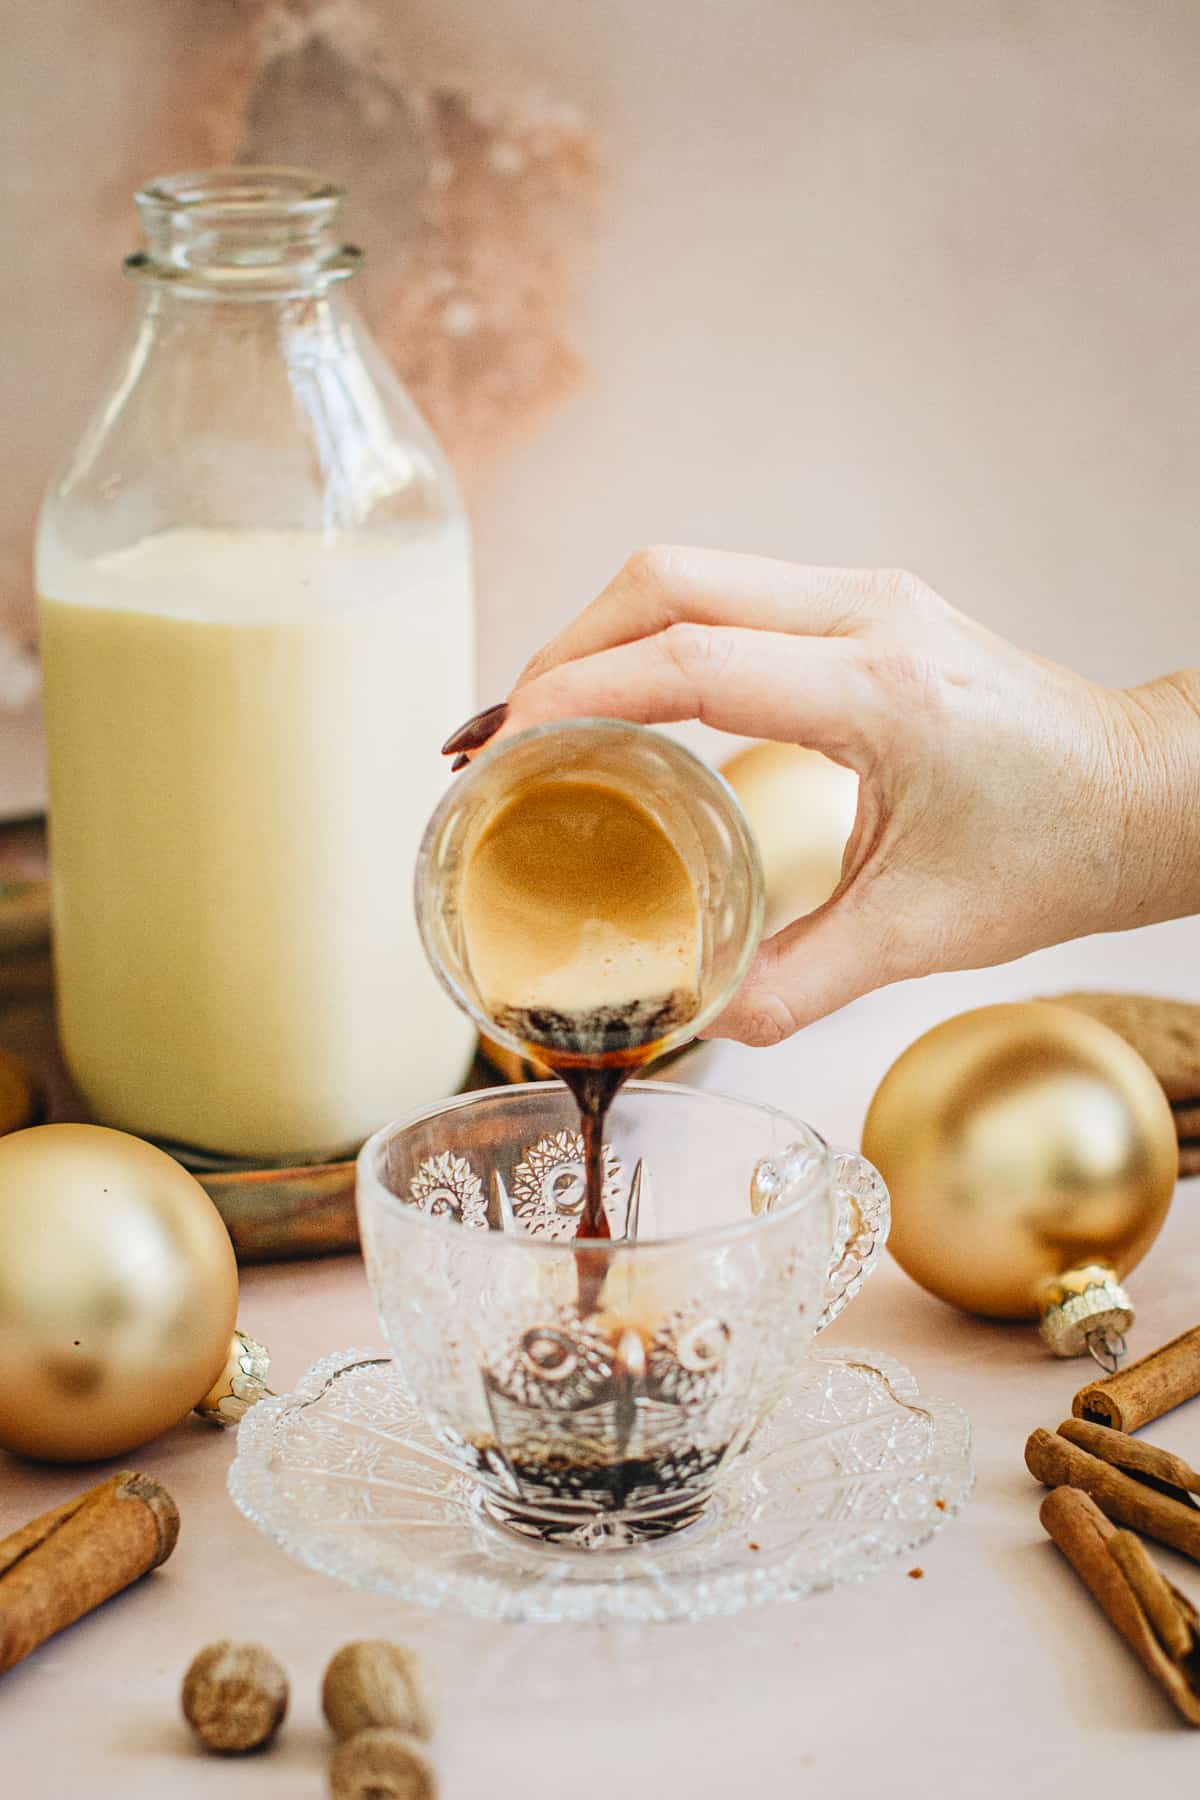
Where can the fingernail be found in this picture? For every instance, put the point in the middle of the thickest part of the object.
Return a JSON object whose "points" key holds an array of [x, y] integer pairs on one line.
{"points": [[476, 732], [460, 762]]}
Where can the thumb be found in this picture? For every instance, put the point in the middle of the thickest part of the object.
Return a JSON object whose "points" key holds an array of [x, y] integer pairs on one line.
{"points": [[810, 968]]}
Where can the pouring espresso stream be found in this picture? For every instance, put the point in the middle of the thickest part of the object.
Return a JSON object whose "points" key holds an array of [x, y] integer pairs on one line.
{"points": [[583, 931]]}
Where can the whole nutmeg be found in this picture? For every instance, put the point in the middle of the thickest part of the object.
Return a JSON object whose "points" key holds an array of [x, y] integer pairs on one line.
{"points": [[372, 1682], [382, 1764], [234, 1696]]}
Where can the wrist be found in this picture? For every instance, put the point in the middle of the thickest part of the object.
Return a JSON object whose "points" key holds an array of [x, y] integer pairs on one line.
{"points": [[1159, 777]]}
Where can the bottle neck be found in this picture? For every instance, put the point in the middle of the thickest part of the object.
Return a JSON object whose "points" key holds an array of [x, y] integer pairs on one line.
{"points": [[242, 233]]}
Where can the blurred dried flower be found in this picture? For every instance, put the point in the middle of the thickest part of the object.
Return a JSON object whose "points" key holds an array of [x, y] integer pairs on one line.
{"points": [[483, 196]]}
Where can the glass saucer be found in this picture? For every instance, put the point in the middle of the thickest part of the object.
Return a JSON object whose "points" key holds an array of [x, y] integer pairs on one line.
{"points": [[852, 1469]]}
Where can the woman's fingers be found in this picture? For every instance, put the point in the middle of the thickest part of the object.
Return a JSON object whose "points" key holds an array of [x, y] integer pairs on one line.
{"points": [[673, 585], [813, 691]]}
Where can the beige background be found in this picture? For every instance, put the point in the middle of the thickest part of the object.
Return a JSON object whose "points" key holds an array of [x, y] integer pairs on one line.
{"points": [[875, 282], [907, 283]]}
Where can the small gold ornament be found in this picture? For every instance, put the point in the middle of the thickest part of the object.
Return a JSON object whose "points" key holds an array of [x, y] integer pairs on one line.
{"points": [[1031, 1158], [118, 1294], [801, 808]]}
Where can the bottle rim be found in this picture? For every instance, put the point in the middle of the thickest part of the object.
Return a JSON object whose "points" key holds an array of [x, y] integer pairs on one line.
{"points": [[241, 190], [254, 228]]}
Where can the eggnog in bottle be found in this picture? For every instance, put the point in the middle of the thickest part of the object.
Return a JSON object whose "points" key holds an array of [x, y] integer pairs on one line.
{"points": [[243, 734], [256, 633]]}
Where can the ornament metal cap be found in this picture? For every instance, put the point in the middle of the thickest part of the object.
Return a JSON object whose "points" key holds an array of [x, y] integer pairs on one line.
{"points": [[240, 1385], [1087, 1312]]}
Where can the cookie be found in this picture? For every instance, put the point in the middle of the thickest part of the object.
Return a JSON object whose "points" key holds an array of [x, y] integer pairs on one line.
{"points": [[19, 1105], [1189, 1159], [1165, 1033], [1186, 1114]]}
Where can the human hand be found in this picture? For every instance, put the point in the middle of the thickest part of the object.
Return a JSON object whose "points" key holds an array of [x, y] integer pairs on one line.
{"points": [[1004, 802]]}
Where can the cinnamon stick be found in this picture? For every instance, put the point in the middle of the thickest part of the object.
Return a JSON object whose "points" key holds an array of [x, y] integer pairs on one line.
{"points": [[1147, 1389], [1170, 1621], [1133, 1455], [1085, 1537], [1057, 1462], [63, 1564]]}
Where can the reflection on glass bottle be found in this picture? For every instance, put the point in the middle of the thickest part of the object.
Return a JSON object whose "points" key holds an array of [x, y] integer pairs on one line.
{"points": [[256, 629]]}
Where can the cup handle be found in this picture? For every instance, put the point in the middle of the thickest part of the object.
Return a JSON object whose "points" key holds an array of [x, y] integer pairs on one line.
{"points": [[864, 1216]]}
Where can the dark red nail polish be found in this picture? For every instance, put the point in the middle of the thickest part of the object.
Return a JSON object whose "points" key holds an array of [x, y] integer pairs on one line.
{"points": [[460, 762], [476, 732]]}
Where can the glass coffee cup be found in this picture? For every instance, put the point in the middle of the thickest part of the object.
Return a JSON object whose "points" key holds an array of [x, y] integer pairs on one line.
{"points": [[737, 1234]]}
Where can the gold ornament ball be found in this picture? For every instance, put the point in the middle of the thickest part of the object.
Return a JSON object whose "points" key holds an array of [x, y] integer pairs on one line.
{"points": [[801, 808], [1018, 1142], [118, 1292]]}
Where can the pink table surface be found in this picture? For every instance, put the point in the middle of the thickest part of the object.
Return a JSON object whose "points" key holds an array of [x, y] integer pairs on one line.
{"points": [[994, 1675]]}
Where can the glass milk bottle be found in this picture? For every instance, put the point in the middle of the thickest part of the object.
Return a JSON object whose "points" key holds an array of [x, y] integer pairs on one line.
{"points": [[256, 631]]}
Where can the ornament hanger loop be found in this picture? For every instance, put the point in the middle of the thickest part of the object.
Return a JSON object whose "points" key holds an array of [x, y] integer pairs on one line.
{"points": [[1108, 1348]]}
